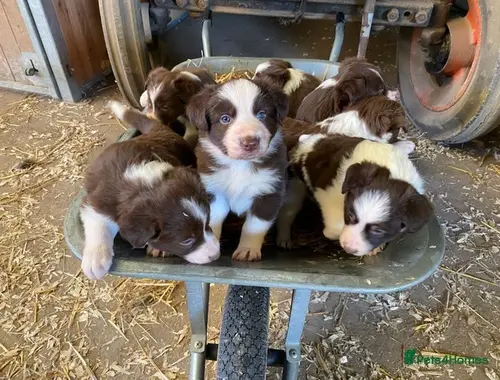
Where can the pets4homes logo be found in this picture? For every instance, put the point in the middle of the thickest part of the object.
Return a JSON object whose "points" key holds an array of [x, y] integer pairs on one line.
{"points": [[413, 356]]}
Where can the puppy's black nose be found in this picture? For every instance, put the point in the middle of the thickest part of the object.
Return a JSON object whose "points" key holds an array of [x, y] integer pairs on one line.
{"points": [[249, 143]]}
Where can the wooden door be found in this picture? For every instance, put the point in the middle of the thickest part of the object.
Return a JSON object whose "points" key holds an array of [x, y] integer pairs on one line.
{"points": [[23, 65]]}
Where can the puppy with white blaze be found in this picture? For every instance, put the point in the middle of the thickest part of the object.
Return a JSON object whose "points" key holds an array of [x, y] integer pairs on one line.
{"points": [[145, 189], [368, 192], [241, 156]]}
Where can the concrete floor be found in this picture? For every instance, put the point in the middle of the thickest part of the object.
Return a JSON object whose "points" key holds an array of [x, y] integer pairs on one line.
{"points": [[54, 324]]}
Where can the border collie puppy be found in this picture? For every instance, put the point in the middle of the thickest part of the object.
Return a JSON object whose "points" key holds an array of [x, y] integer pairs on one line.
{"points": [[167, 93], [295, 83], [144, 189], [241, 156], [375, 118], [368, 192], [356, 80]]}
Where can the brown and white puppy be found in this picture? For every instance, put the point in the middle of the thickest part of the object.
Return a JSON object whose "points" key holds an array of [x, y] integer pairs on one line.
{"points": [[356, 80], [144, 189], [375, 118], [295, 83], [167, 93], [368, 192], [241, 156]]}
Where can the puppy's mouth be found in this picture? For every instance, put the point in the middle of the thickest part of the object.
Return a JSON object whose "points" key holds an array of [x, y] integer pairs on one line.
{"points": [[247, 141]]}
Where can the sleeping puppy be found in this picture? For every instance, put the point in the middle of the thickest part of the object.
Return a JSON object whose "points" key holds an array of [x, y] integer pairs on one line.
{"points": [[295, 83], [375, 118], [356, 80], [167, 93], [368, 192], [241, 156], [144, 189]]}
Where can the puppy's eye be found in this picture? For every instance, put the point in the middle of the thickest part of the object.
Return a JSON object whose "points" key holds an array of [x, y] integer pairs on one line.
{"points": [[261, 115], [225, 119], [376, 230], [188, 242]]}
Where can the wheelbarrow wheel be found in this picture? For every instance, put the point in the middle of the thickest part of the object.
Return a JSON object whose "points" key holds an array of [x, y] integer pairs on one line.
{"points": [[453, 96], [126, 44], [243, 343]]}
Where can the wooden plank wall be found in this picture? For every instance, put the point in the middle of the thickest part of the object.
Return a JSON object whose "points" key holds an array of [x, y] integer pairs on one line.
{"points": [[80, 24], [14, 39]]}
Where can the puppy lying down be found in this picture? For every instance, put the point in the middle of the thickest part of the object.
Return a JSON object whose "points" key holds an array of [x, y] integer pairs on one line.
{"points": [[368, 192], [145, 189], [357, 79], [376, 118]]}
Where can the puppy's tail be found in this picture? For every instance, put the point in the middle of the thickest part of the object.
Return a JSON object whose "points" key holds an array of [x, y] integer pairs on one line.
{"points": [[132, 117]]}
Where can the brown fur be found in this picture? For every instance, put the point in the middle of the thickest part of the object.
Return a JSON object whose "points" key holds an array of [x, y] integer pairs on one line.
{"points": [[278, 73], [292, 129], [355, 81], [176, 91], [324, 161], [144, 213], [409, 210], [205, 111], [381, 115]]}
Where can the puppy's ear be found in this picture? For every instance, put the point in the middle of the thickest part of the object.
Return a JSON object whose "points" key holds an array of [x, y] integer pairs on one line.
{"points": [[156, 76], [278, 97], [197, 107], [136, 225], [348, 92], [418, 211], [280, 62], [187, 84], [361, 175], [132, 117]]}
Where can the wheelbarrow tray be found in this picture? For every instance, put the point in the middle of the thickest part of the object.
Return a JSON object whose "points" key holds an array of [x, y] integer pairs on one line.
{"points": [[404, 263]]}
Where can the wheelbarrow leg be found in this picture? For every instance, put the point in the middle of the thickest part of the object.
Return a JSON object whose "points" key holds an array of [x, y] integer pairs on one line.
{"points": [[197, 301], [366, 27], [298, 313]]}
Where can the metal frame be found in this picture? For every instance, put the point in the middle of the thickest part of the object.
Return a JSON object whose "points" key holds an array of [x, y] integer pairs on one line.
{"points": [[198, 294], [50, 36], [296, 322], [419, 13], [197, 301]]}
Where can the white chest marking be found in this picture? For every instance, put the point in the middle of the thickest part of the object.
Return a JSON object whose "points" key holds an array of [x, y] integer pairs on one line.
{"points": [[240, 184]]}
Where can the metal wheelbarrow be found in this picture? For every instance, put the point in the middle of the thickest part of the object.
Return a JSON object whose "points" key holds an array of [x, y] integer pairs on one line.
{"points": [[242, 352]]}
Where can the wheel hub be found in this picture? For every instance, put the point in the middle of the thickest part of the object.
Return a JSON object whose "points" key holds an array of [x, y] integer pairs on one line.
{"points": [[441, 73]]}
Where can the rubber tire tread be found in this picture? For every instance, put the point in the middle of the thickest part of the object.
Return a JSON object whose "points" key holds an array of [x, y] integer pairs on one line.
{"points": [[243, 338]]}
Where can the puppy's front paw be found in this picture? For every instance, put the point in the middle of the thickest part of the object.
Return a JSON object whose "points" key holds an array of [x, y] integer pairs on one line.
{"points": [[157, 253], [96, 261], [332, 233], [247, 254], [379, 249], [284, 241]]}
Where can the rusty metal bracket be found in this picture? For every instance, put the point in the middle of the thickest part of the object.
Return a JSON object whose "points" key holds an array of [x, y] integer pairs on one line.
{"points": [[422, 13], [366, 27]]}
